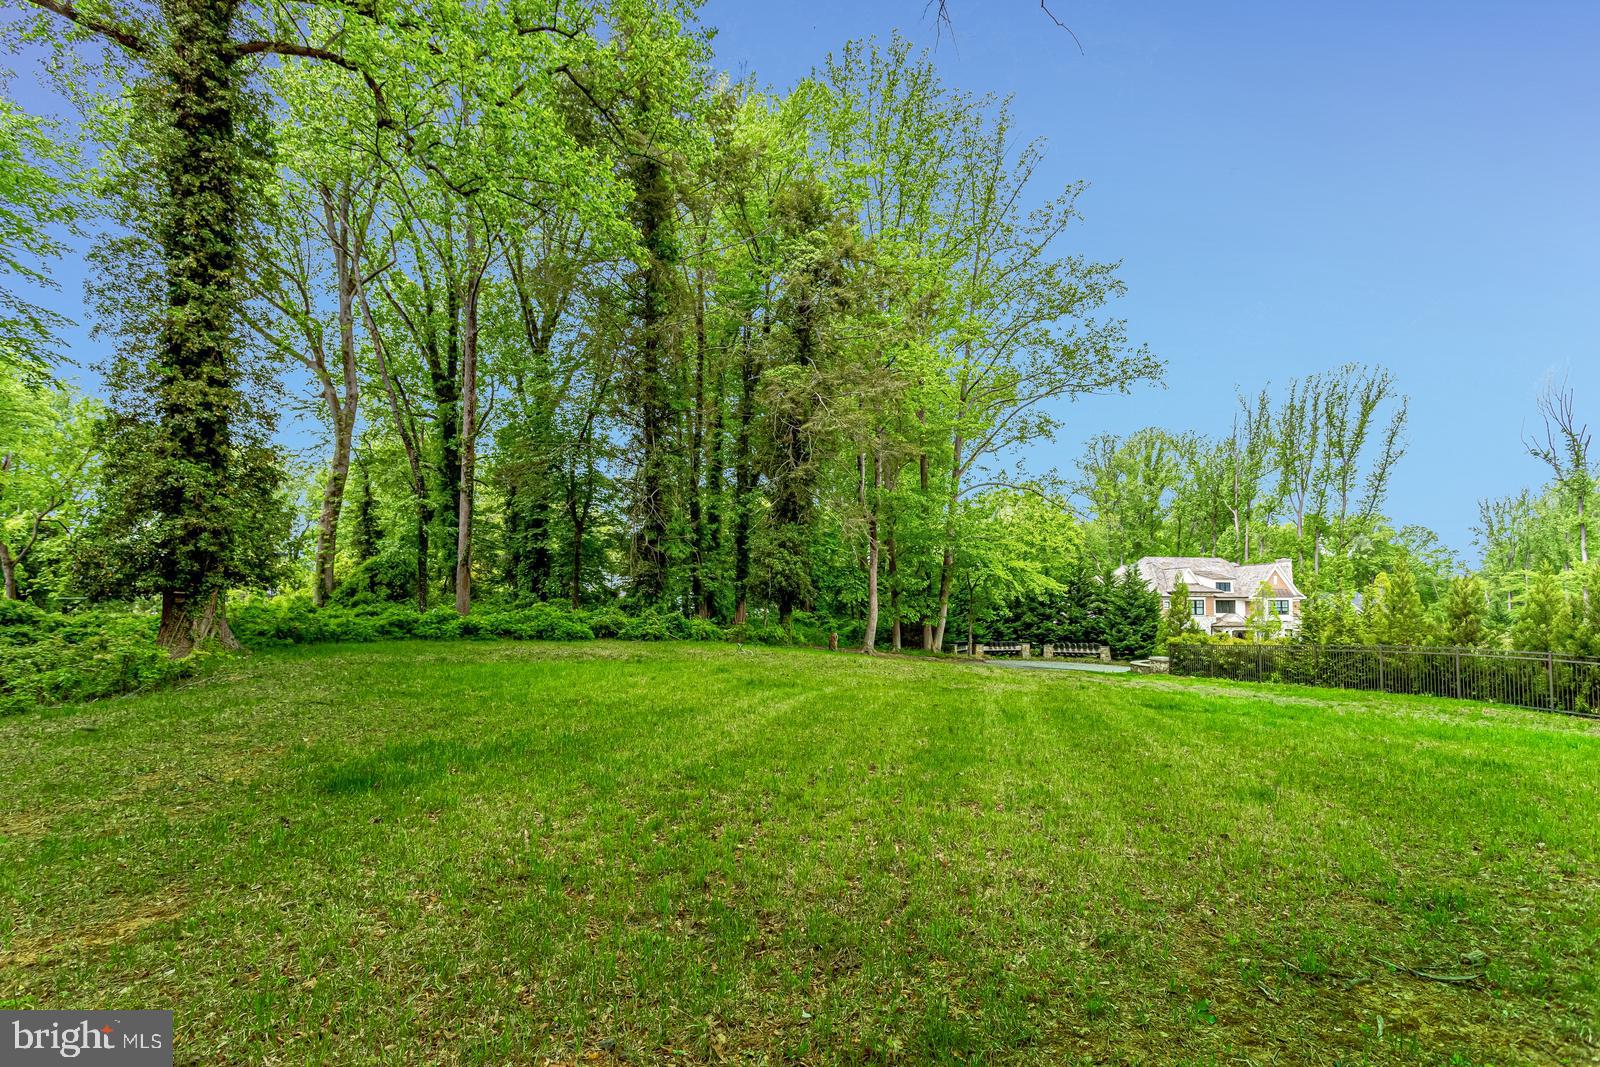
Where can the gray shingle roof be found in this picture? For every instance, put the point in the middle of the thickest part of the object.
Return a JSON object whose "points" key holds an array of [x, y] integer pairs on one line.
{"points": [[1201, 573]]}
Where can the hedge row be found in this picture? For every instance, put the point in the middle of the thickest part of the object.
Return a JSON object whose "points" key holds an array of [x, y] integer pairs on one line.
{"points": [[272, 622], [48, 658]]}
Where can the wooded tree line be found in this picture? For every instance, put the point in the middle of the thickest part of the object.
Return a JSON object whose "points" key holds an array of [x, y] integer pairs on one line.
{"points": [[578, 319], [1303, 474]]}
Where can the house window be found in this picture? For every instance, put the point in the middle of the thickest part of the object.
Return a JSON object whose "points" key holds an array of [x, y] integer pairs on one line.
{"points": [[1226, 607], [1225, 587], [1197, 606], [1280, 607]]}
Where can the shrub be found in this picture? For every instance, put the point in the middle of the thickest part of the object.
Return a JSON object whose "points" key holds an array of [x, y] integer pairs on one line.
{"points": [[759, 632], [655, 625], [49, 658], [608, 621], [438, 624], [387, 579], [699, 629], [541, 622], [18, 615]]}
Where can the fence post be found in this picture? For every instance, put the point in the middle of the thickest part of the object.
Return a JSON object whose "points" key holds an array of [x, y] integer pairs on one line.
{"points": [[1458, 674], [980, 650], [1550, 668], [1259, 652], [1027, 648], [1049, 651], [1381, 687]]}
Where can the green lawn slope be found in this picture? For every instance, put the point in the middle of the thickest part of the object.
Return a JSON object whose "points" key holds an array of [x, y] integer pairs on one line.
{"points": [[506, 853]]}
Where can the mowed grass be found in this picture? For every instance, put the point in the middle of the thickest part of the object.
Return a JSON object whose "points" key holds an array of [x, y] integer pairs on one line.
{"points": [[507, 853]]}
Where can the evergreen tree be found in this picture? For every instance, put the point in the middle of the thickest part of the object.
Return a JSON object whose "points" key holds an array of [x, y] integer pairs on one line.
{"points": [[1585, 633], [1135, 616], [1178, 619], [1465, 613], [1394, 611], [1346, 627], [1543, 619], [1318, 617]]}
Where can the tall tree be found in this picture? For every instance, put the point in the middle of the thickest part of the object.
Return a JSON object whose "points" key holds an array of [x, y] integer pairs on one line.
{"points": [[1564, 448], [1359, 450]]}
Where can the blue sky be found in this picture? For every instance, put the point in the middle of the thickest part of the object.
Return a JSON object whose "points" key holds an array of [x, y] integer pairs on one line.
{"points": [[1289, 187]]}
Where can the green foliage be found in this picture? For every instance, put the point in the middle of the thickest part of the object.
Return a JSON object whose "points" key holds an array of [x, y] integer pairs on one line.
{"points": [[1465, 613], [608, 621], [292, 620], [1178, 619], [48, 658], [389, 578], [47, 456], [1543, 620], [1084, 608], [36, 199], [541, 622], [1393, 610], [1263, 625], [1130, 615]]}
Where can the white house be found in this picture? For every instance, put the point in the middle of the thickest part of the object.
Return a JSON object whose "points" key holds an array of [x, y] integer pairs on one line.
{"points": [[1222, 595]]}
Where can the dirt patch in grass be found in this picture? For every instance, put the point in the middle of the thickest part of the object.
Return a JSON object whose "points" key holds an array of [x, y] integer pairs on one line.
{"points": [[118, 929]]}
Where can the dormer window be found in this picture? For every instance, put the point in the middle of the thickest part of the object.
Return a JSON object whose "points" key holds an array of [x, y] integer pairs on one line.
{"points": [[1224, 587]]}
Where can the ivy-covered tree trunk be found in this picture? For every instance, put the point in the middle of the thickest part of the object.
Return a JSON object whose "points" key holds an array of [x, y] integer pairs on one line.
{"points": [[744, 479], [368, 534], [443, 367], [712, 531], [650, 395], [697, 430], [201, 162]]}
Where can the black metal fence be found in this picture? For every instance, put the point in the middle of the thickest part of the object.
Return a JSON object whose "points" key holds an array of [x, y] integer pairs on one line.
{"points": [[1541, 680]]}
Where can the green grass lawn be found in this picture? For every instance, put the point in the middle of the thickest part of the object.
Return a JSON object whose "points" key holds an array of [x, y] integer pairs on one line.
{"points": [[501, 853]]}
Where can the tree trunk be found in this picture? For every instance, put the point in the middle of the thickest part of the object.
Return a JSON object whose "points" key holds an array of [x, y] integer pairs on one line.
{"points": [[577, 561], [894, 595], [652, 208], [1583, 538], [8, 567], [332, 505], [744, 481], [196, 369], [948, 565], [947, 570], [870, 640], [469, 431], [408, 440], [715, 505], [183, 629], [347, 250], [972, 618], [697, 421]]}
